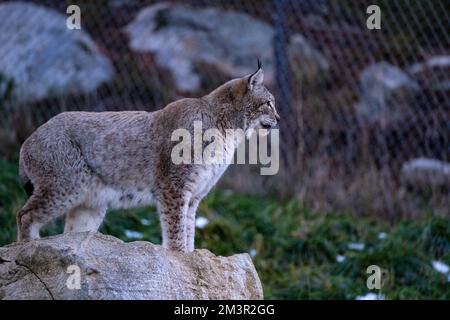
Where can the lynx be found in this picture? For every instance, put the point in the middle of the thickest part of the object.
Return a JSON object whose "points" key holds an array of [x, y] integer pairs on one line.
{"points": [[79, 164]]}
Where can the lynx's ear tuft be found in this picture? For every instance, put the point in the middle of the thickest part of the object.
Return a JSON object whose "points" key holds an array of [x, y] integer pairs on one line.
{"points": [[256, 78]]}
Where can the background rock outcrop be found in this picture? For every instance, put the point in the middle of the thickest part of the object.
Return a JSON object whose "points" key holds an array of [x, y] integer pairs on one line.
{"points": [[386, 93], [182, 37], [425, 172], [112, 269], [42, 58], [433, 73]]}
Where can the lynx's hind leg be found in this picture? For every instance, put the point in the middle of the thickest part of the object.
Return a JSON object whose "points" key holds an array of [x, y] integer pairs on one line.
{"points": [[53, 163], [42, 207], [84, 219]]}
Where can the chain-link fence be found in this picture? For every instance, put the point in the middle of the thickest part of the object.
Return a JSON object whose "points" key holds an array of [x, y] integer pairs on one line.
{"points": [[365, 112]]}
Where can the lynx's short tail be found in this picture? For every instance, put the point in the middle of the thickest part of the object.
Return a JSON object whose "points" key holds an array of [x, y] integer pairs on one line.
{"points": [[23, 178]]}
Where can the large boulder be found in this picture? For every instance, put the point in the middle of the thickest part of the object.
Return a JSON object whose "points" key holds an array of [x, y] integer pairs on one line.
{"points": [[182, 38], [386, 93], [40, 57], [111, 269]]}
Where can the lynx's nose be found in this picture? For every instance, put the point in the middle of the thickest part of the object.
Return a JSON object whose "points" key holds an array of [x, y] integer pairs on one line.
{"points": [[277, 116]]}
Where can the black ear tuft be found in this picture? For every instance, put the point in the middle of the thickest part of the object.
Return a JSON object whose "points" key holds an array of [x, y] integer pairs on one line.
{"points": [[256, 78]]}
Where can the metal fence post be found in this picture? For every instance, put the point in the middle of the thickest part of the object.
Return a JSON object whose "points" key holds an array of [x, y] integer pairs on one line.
{"points": [[288, 124]]}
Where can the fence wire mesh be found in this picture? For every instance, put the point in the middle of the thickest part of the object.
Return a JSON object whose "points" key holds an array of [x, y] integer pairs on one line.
{"points": [[358, 106]]}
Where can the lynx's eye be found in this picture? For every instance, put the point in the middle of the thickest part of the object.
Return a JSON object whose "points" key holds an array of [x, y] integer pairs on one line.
{"points": [[267, 103], [270, 104]]}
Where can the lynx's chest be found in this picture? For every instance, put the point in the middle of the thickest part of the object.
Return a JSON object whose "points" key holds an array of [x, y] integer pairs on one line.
{"points": [[207, 175]]}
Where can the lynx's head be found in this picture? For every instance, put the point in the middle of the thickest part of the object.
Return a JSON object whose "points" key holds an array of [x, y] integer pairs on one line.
{"points": [[259, 103], [248, 99]]}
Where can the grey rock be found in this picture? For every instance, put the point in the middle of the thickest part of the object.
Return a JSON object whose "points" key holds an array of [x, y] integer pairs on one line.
{"points": [[40, 57], [431, 63], [386, 93], [112, 269], [181, 37], [434, 72], [425, 172]]}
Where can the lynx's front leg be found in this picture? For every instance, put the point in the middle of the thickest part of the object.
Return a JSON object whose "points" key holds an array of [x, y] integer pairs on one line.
{"points": [[190, 224], [172, 216]]}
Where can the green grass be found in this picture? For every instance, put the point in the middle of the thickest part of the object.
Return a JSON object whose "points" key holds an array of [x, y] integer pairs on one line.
{"points": [[295, 247]]}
